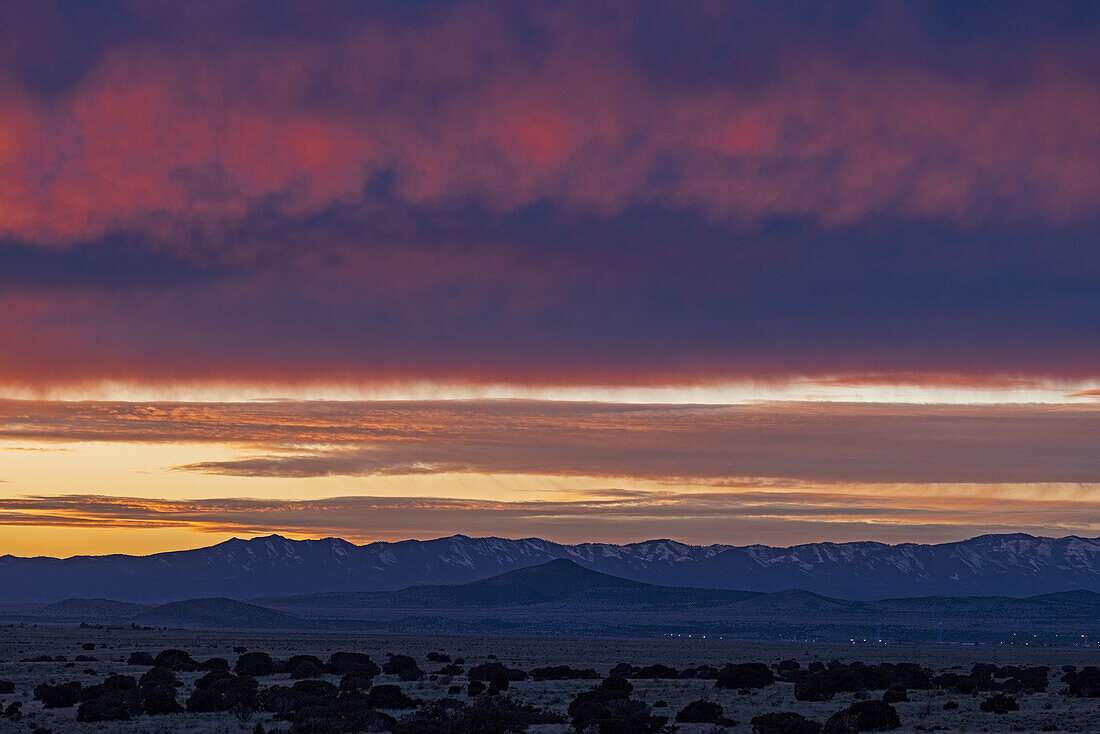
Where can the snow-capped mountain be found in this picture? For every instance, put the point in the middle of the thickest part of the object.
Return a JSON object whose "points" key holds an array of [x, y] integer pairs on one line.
{"points": [[1009, 565]]}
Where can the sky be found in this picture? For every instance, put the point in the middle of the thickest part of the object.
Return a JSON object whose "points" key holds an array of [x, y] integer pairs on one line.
{"points": [[729, 272]]}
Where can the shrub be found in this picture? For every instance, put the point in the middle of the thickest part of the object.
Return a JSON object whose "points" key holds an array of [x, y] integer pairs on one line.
{"points": [[622, 670], [214, 664], [895, 694], [657, 672], [340, 663], [255, 664], [563, 672], [863, 716], [355, 681], [157, 677], [1085, 684], [487, 715], [488, 671], [389, 697], [110, 705], [350, 712], [784, 722], [160, 701], [951, 706], [438, 657], [305, 666], [476, 688], [403, 666], [7, 686], [175, 660], [450, 669], [140, 658], [59, 696], [816, 686], [955, 682], [702, 712], [999, 703], [745, 675], [617, 716]]}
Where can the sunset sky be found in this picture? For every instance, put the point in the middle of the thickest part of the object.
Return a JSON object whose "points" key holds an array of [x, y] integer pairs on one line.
{"points": [[726, 272]]}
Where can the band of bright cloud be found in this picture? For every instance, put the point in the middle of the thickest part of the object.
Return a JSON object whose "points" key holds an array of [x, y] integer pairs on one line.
{"points": [[806, 441], [565, 193]]}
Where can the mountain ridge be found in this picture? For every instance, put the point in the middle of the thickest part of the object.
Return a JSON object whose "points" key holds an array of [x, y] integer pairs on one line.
{"points": [[1013, 565]]}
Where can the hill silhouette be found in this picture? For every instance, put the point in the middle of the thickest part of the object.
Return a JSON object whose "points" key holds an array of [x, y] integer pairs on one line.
{"points": [[218, 612]]}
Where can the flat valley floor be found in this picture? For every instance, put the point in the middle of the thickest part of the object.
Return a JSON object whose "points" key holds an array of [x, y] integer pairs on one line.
{"points": [[923, 712]]}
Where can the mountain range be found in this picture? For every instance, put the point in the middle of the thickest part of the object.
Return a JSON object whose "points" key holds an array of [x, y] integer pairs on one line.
{"points": [[562, 598], [1014, 565]]}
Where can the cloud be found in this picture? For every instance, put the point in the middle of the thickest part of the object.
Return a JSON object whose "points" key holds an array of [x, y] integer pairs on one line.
{"points": [[554, 194], [821, 442], [610, 515]]}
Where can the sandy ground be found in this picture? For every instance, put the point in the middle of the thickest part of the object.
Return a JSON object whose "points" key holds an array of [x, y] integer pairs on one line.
{"points": [[924, 712]]}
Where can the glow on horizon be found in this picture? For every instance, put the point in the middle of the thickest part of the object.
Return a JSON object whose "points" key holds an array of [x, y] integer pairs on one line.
{"points": [[917, 389]]}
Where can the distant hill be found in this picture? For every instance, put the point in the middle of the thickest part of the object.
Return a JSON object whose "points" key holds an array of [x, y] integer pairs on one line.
{"points": [[97, 611], [217, 613], [990, 565], [564, 598], [559, 581]]}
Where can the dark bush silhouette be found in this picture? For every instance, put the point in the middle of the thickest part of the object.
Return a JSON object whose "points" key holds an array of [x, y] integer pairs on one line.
{"points": [[451, 669], [157, 677], [745, 675], [305, 666], [209, 679], [488, 671], [784, 722], [610, 689], [895, 694], [140, 658], [214, 664], [240, 650], [622, 670], [340, 663], [999, 703], [703, 712], [7, 686], [657, 672], [255, 664], [225, 693], [955, 682], [563, 672], [816, 667], [389, 697], [349, 712], [488, 715], [454, 690], [703, 671], [356, 682], [950, 705], [1085, 684], [817, 686], [59, 696], [787, 666], [14, 711], [175, 660], [157, 701], [863, 716], [438, 657], [109, 705], [403, 666], [476, 688]]}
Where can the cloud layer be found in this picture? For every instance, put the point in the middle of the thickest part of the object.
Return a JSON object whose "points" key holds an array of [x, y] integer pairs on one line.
{"points": [[575, 193], [823, 443]]}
